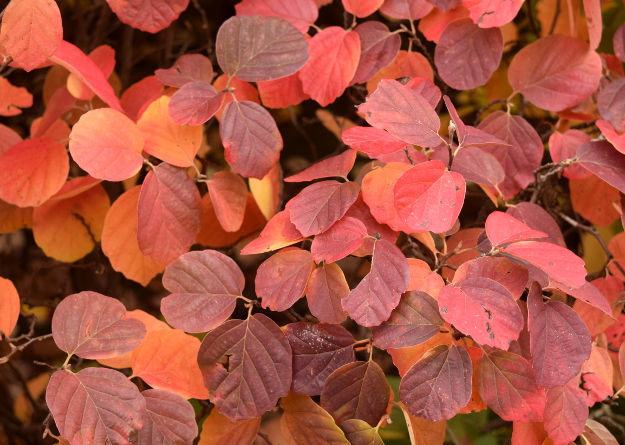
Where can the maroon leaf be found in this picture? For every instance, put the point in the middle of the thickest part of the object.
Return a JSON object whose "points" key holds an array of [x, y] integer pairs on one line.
{"points": [[601, 158], [371, 140], [339, 165], [588, 294], [438, 385], [204, 287], [326, 288], [188, 68], [502, 228], [251, 138], [492, 13], [151, 16], [478, 166], [467, 135], [403, 112], [318, 350], [373, 300], [170, 419], [169, 213], [559, 340], [96, 405], [412, 322], [93, 326], [228, 193], [537, 218], [358, 390], [513, 276], [246, 366], [300, 14], [345, 236], [378, 48], [260, 48], [467, 55], [611, 104], [281, 280], [195, 103], [316, 208], [483, 309], [507, 383], [565, 413], [406, 9]]}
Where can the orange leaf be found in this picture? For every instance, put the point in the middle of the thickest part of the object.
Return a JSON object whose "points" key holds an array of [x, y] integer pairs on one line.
{"points": [[404, 358], [9, 306], [424, 432], [104, 57], [217, 429], [592, 198], [267, 191], [424, 279], [283, 92], [59, 130], [140, 95], [229, 195], [8, 138], [13, 218], [405, 64]]}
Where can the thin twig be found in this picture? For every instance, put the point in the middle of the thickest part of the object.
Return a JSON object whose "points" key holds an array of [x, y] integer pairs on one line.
{"points": [[265, 438], [481, 111], [21, 347], [530, 15], [5, 63], [555, 18]]}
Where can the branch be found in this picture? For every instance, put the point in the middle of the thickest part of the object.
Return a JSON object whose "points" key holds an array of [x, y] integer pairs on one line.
{"points": [[21, 347]]}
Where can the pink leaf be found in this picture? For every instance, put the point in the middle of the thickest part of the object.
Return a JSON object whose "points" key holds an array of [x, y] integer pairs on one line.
{"points": [[170, 419], [299, 13], [371, 140], [326, 289], [378, 48], [188, 68], [603, 160], [151, 16], [619, 42], [565, 413], [341, 239], [512, 276], [195, 103], [406, 9], [362, 8], [564, 146], [539, 219], [478, 166], [616, 139], [339, 165], [228, 193], [361, 211], [502, 228], [492, 13]]}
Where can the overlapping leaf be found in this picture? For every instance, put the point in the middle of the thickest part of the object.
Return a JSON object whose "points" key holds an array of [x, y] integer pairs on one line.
{"points": [[341, 239], [512, 276], [565, 412], [339, 165], [195, 103], [371, 140], [217, 429], [378, 48], [9, 306], [326, 288], [502, 228], [359, 432], [170, 419], [300, 14], [603, 160], [564, 146], [228, 193], [188, 68], [283, 92], [151, 16], [491, 13], [406, 9], [278, 233]]}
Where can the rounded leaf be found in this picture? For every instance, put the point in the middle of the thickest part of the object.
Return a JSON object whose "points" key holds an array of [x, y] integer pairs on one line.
{"points": [[170, 419], [9, 306], [151, 16], [195, 103]]}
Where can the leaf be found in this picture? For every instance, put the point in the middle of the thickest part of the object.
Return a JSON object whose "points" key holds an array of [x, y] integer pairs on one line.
{"points": [[166, 360], [439, 384], [621, 359], [538, 218], [334, 55], [426, 88], [194, 103], [281, 279], [361, 211], [403, 112], [95, 405], [188, 68], [564, 146], [432, 25], [326, 288], [339, 165], [502, 228], [404, 358], [592, 198], [603, 160], [104, 57], [260, 48], [151, 16], [467, 55], [242, 91], [107, 144], [406, 9], [379, 292], [597, 376], [267, 192], [483, 309], [371, 140], [169, 213], [9, 138], [228, 193], [362, 8], [414, 321], [13, 98], [378, 48], [278, 233], [608, 131], [597, 322], [304, 421], [357, 390], [429, 197], [170, 419], [619, 43], [491, 13], [611, 101], [85, 69], [119, 240], [251, 139], [13, 218], [513, 277], [565, 413], [205, 286], [9, 306], [507, 383], [555, 72], [32, 171], [588, 294], [358, 432], [597, 434], [528, 433], [243, 354], [283, 92], [476, 165], [92, 325], [31, 31], [217, 429], [341, 239], [138, 96], [301, 14], [424, 279], [424, 432], [406, 64], [166, 140], [592, 10]]}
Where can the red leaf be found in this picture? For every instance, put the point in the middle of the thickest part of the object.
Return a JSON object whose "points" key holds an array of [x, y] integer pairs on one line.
{"points": [[318, 350], [31, 31], [260, 48], [204, 286], [362, 8], [512, 276], [378, 48], [10, 306], [95, 405], [334, 55], [283, 92], [476, 165], [618, 140], [371, 140], [560, 341], [361, 211], [169, 213], [339, 165], [341, 239], [439, 384], [104, 58], [151, 16], [242, 91], [619, 42], [426, 88], [358, 390], [228, 193], [373, 300], [593, 199], [195, 103], [467, 55], [406, 64], [603, 160], [281, 280], [528, 433], [9, 138], [564, 146], [555, 72], [588, 294], [251, 138], [414, 321], [32, 171], [188, 68], [502, 228], [597, 376], [403, 112], [406, 9], [326, 288], [611, 102], [597, 322], [491, 13], [107, 144], [467, 135], [565, 413], [507, 383], [170, 419], [300, 13], [246, 365], [278, 233], [429, 197], [537, 218]]}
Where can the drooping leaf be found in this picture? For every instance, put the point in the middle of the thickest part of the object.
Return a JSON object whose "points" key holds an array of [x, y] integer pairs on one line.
{"points": [[565, 412], [95, 405], [603, 160], [339, 165], [217, 429], [507, 383], [318, 350], [587, 293], [371, 140], [359, 432], [513, 277], [492, 13], [251, 139], [228, 193], [467, 55], [597, 434], [326, 288], [281, 280], [246, 365], [169, 213], [439, 384], [31, 31], [195, 103], [260, 48], [502, 228], [9, 306], [555, 72], [188, 68], [564, 146], [170, 419], [406, 9], [378, 48], [151, 16], [379, 292], [204, 286], [358, 390], [104, 57], [341, 239], [301, 13]]}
